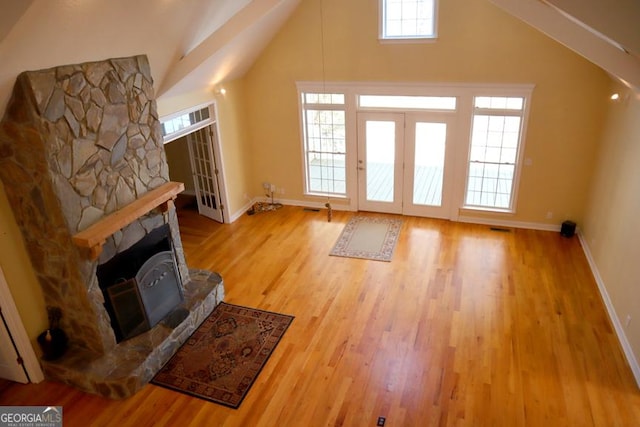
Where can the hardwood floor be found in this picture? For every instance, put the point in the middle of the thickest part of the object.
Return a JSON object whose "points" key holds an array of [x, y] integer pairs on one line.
{"points": [[466, 326]]}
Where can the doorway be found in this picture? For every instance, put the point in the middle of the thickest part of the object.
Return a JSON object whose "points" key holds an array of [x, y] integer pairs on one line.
{"points": [[404, 163], [194, 156]]}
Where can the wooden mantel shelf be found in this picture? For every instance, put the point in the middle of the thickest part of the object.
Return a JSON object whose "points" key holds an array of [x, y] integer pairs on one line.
{"points": [[96, 235]]}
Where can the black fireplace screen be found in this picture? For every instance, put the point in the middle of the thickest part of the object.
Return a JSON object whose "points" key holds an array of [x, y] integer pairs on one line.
{"points": [[141, 284]]}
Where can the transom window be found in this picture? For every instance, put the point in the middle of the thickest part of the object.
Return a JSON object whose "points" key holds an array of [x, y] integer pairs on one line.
{"points": [[324, 138], [186, 122], [407, 19], [495, 141], [408, 102]]}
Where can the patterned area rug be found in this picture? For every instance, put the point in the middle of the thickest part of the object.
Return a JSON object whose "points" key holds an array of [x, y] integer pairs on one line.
{"points": [[369, 238], [224, 356]]}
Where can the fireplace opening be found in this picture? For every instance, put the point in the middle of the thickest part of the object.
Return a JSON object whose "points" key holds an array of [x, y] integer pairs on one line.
{"points": [[141, 285]]}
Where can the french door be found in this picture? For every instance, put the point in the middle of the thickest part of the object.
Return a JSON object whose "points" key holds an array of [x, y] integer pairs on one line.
{"points": [[205, 172], [404, 163]]}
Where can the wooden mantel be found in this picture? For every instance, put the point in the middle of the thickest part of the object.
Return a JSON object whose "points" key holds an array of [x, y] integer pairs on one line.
{"points": [[96, 235]]}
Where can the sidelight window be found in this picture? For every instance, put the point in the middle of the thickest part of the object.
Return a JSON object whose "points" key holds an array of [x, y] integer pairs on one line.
{"points": [[494, 148], [324, 139]]}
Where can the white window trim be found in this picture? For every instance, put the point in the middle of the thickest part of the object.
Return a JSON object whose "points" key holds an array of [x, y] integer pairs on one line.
{"points": [[465, 92], [526, 93], [350, 138], [409, 39]]}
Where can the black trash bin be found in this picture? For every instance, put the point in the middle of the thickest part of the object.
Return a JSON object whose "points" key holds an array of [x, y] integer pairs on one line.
{"points": [[568, 228]]}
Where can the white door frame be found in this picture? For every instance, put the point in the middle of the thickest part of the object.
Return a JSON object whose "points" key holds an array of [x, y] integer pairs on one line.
{"points": [[404, 161], [216, 145], [18, 333]]}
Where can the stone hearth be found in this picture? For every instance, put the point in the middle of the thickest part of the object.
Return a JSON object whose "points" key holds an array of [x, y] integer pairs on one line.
{"points": [[79, 143]]}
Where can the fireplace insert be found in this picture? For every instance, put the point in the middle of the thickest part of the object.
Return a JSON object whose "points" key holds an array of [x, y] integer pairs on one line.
{"points": [[141, 285]]}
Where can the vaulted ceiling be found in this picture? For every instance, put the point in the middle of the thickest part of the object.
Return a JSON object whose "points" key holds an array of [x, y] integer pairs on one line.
{"points": [[228, 51], [192, 45], [220, 39], [12, 11], [606, 33]]}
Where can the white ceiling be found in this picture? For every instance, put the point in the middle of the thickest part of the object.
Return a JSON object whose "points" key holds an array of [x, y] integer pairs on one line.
{"points": [[12, 11], [205, 42], [192, 45]]}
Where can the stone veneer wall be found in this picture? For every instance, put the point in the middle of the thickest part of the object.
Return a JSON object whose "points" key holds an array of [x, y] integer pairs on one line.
{"points": [[77, 143]]}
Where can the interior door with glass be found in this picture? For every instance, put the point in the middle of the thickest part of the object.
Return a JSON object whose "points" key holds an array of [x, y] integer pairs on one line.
{"points": [[203, 166], [427, 169], [380, 161]]}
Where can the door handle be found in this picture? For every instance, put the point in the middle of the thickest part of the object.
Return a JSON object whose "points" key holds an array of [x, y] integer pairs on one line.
{"points": [[360, 168]]}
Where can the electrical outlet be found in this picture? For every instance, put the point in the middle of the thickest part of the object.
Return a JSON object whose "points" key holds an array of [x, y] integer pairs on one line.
{"points": [[628, 321], [549, 215], [281, 190]]}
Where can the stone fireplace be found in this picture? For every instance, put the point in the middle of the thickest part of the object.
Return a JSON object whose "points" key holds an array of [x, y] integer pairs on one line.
{"points": [[84, 168]]}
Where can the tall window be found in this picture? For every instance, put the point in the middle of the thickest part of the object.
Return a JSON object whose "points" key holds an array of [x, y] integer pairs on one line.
{"points": [[323, 123], [495, 141], [408, 19]]}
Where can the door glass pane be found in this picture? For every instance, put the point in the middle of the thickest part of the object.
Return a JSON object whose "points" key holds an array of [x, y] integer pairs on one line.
{"points": [[429, 163], [380, 159]]}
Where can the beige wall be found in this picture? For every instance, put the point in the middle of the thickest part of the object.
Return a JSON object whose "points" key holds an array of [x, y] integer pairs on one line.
{"points": [[478, 43], [236, 152], [22, 282], [179, 163], [232, 125], [611, 229]]}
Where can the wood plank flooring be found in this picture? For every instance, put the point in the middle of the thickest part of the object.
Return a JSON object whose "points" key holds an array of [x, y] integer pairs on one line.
{"points": [[465, 327]]}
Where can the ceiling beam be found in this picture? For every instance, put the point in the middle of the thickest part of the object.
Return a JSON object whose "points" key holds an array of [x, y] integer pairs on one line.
{"points": [[578, 37], [230, 49]]}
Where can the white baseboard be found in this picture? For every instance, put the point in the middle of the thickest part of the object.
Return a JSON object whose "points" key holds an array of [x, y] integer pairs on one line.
{"points": [[510, 224], [237, 214], [308, 204], [344, 207], [287, 202], [622, 337]]}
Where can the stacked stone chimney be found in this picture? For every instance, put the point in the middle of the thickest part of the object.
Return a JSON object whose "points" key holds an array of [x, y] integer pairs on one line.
{"points": [[78, 143]]}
